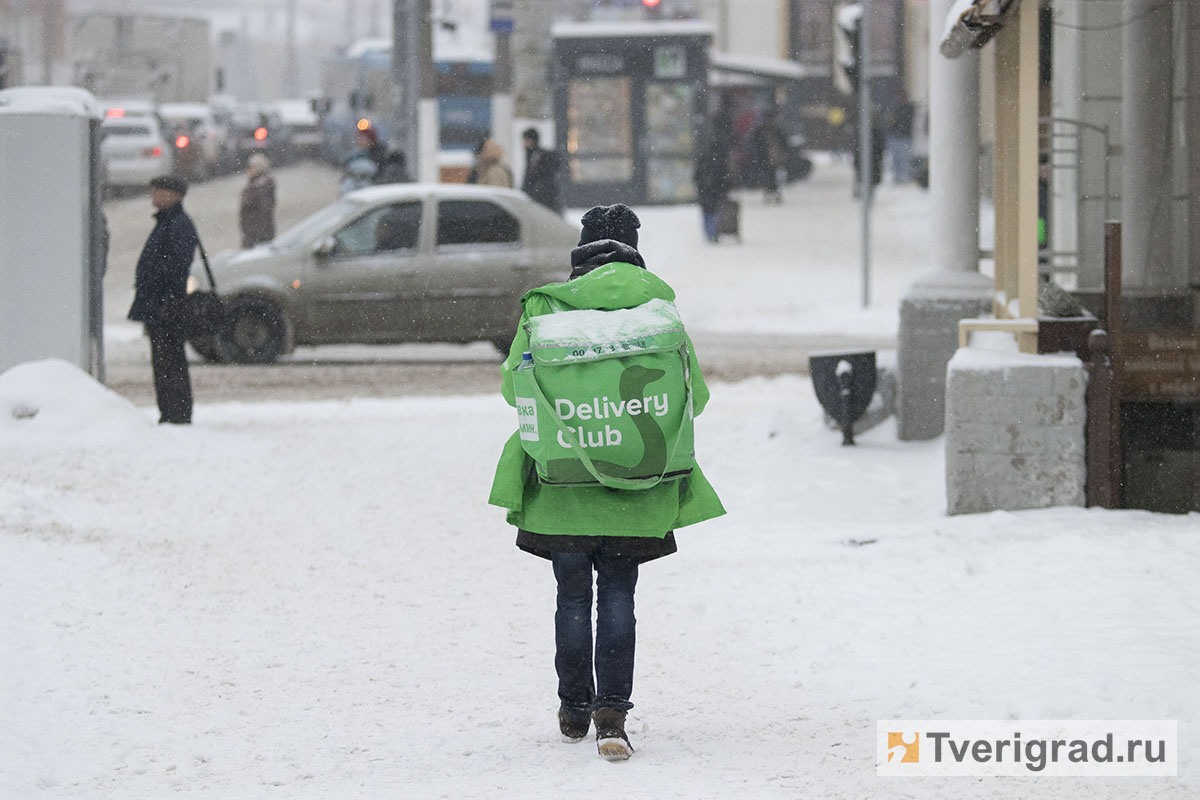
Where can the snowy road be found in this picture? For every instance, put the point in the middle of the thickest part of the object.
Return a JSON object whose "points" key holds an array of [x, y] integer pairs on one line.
{"points": [[790, 288]]}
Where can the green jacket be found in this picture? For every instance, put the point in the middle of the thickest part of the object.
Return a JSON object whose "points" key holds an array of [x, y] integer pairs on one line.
{"points": [[595, 510]]}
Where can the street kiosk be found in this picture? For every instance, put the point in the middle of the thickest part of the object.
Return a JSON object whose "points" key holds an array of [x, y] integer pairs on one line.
{"points": [[630, 100]]}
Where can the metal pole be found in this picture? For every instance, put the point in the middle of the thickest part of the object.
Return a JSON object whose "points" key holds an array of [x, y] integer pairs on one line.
{"points": [[291, 81], [406, 78], [502, 96], [428, 133], [865, 166]]}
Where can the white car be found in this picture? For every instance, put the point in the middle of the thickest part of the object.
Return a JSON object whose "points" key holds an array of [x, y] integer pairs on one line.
{"points": [[132, 148], [405, 262], [301, 128]]}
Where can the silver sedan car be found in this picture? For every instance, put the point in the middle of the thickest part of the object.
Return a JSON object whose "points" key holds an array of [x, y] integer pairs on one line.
{"points": [[389, 264]]}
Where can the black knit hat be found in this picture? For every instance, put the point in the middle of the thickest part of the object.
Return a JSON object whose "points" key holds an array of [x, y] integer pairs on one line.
{"points": [[173, 183], [617, 222]]}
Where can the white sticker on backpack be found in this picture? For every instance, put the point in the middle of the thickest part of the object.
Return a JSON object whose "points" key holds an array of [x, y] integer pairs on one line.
{"points": [[527, 418]]}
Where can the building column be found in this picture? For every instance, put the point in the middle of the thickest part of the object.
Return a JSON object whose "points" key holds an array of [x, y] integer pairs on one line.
{"points": [[1015, 197], [1193, 145], [502, 98], [1067, 96], [532, 49], [1146, 169], [954, 290]]}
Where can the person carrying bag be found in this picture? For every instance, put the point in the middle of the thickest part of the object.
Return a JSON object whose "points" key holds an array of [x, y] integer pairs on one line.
{"points": [[601, 469]]}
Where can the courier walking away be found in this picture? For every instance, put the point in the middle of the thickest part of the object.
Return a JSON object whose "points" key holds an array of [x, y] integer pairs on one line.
{"points": [[601, 469]]}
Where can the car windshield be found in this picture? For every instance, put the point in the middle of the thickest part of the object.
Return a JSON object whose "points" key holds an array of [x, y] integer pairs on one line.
{"points": [[303, 230]]}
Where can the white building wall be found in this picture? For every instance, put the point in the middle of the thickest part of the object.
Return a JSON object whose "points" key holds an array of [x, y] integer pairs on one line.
{"points": [[748, 27]]}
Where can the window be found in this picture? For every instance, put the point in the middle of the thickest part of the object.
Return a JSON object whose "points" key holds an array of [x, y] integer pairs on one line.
{"points": [[600, 129], [475, 222], [388, 228], [812, 32]]}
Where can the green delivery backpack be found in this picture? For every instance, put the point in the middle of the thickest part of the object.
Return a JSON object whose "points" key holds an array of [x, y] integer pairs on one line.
{"points": [[605, 397]]}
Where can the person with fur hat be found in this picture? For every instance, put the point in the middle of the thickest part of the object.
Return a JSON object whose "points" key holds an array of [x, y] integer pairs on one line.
{"points": [[490, 169], [591, 532], [256, 213], [160, 284]]}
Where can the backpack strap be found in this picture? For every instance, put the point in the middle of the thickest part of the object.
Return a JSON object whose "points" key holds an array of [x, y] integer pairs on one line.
{"points": [[212, 282]]}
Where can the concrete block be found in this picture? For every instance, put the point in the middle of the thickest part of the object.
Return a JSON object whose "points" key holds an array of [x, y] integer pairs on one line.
{"points": [[928, 337], [1014, 432]]}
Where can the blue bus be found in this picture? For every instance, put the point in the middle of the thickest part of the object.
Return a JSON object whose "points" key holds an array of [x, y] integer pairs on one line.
{"points": [[358, 86]]}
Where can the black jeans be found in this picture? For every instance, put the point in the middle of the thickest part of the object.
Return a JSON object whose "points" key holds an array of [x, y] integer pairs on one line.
{"points": [[616, 579], [172, 383]]}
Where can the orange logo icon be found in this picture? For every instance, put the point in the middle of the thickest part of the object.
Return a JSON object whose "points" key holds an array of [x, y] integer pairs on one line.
{"points": [[904, 747]]}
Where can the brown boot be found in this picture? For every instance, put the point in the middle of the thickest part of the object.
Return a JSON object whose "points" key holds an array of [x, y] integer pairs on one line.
{"points": [[611, 741], [573, 725]]}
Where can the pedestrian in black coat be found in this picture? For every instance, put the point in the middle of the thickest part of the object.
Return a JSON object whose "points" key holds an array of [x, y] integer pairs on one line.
{"points": [[712, 180], [160, 285], [770, 153], [542, 169]]}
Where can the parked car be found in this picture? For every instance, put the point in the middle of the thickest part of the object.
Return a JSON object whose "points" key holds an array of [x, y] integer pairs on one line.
{"points": [[301, 128], [133, 148], [222, 108], [128, 107], [198, 140], [390, 264], [256, 129]]}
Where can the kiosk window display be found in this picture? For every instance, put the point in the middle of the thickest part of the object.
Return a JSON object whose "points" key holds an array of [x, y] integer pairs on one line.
{"points": [[630, 99]]}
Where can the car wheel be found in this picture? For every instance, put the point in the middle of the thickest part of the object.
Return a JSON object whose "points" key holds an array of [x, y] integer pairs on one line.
{"points": [[256, 332]]}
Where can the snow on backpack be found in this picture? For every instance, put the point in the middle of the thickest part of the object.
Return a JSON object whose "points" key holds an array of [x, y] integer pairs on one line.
{"points": [[605, 397]]}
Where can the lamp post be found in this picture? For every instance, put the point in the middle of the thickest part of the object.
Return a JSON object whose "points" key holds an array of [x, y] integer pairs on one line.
{"points": [[865, 165]]}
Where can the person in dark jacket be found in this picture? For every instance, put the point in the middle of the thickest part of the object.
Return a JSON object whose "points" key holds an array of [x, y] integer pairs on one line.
{"points": [[770, 153], [899, 124], [593, 534], [160, 284], [712, 180], [256, 213], [542, 169], [393, 169], [362, 166]]}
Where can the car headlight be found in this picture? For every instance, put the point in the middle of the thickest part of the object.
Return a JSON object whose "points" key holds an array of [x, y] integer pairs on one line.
{"points": [[191, 284]]}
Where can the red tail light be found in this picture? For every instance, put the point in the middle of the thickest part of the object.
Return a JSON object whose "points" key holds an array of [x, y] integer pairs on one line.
{"points": [[115, 113], [182, 142], [153, 152], [260, 133]]}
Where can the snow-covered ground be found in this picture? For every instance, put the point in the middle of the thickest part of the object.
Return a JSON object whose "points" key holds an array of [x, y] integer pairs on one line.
{"points": [[313, 600]]}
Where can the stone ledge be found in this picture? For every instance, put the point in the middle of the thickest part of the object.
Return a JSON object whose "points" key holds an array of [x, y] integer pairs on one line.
{"points": [[1015, 427]]}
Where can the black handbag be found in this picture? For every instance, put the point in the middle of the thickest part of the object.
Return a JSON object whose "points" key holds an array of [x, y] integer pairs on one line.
{"points": [[202, 314]]}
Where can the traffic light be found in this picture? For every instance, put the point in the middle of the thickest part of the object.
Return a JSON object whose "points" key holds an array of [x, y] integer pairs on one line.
{"points": [[847, 48]]}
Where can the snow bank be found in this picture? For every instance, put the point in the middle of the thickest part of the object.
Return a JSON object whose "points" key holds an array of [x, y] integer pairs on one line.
{"points": [[53, 401]]}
